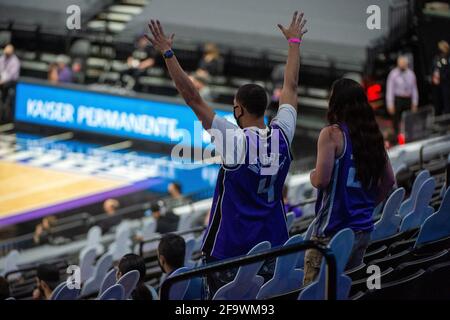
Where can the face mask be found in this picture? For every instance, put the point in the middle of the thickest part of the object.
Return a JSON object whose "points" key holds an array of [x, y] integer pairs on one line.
{"points": [[237, 118]]}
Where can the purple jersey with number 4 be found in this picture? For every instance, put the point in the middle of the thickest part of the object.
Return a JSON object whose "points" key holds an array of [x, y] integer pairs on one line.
{"points": [[248, 205]]}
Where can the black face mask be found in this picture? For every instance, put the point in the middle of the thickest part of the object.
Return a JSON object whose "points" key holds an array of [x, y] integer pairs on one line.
{"points": [[237, 118]]}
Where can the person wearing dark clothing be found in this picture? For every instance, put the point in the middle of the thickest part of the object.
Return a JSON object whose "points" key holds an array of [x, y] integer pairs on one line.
{"points": [[441, 79], [110, 207], [47, 279], [166, 221], [130, 262], [141, 59], [211, 63]]}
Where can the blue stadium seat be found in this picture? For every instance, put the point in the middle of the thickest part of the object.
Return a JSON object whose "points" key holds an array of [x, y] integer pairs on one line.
{"points": [[57, 289], [152, 292], [408, 205], [421, 209], [290, 217], [116, 292], [129, 281], [436, 226], [179, 289], [94, 237], [108, 281], [286, 277], [247, 283], [102, 266], [190, 244], [87, 260], [341, 245], [66, 293], [390, 220]]}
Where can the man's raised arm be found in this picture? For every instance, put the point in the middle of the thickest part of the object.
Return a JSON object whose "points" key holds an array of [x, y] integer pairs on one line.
{"points": [[184, 85], [294, 34]]}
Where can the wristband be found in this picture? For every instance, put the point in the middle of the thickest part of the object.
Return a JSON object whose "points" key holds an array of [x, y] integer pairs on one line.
{"points": [[294, 40], [168, 54]]}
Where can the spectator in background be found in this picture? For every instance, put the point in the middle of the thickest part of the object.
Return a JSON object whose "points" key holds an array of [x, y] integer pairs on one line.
{"points": [[401, 91], [64, 72], [4, 289], [131, 262], [59, 71], [141, 59], [110, 207], [166, 221], [211, 64], [171, 252], [201, 84], [47, 279], [176, 195], [9, 73], [441, 79], [43, 231], [289, 207]]}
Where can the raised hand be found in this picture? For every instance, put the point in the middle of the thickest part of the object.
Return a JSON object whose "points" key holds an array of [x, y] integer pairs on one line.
{"points": [[158, 38], [297, 27]]}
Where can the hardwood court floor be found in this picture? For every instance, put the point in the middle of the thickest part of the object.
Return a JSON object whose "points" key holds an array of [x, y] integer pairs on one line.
{"points": [[25, 187]]}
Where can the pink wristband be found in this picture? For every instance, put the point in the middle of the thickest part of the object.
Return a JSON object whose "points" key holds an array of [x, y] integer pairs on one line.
{"points": [[294, 40]]}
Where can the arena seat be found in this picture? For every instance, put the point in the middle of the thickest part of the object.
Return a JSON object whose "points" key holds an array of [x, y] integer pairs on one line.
{"points": [[180, 288], [115, 292], [408, 204], [57, 289], [246, 283], [92, 285], [390, 220], [406, 288], [87, 260], [286, 277], [437, 282], [109, 279], [66, 293], [129, 281], [290, 217], [421, 209], [341, 245], [436, 226]]}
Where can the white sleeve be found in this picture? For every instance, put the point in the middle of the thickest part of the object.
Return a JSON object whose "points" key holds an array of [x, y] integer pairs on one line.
{"points": [[286, 119], [228, 139]]}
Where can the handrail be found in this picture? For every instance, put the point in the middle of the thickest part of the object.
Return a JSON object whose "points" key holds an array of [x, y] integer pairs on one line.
{"points": [[158, 238], [422, 147], [331, 286]]}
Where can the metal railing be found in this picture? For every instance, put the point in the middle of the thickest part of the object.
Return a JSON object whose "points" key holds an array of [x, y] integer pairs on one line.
{"points": [[331, 274], [158, 238]]}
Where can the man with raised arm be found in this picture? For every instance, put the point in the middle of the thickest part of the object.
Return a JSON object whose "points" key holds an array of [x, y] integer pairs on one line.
{"points": [[247, 207]]}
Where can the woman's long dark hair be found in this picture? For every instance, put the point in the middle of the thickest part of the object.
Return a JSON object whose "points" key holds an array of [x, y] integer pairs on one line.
{"points": [[131, 262], [348, 104]]}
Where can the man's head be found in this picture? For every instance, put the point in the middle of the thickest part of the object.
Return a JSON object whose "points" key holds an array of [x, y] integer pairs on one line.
{"points": [[8, 51], [174, 189], [110, 206], [402, 62], [250, 104], [130, 262], [47, 278], [61, 61], [156, 210], [171, 252]]}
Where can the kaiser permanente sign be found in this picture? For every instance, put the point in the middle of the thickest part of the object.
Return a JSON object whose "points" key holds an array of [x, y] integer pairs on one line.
{"points": [[108, 114]]}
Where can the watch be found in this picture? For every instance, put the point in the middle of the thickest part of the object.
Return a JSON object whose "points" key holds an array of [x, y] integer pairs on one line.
{"points": [[168, 54]]}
